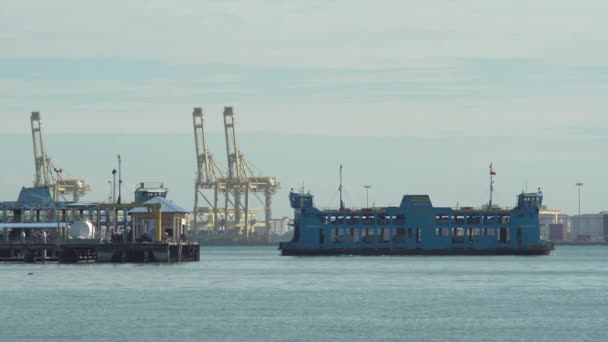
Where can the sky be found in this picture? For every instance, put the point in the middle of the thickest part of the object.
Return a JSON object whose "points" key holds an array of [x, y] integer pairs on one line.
{"points": [[412, 96]]}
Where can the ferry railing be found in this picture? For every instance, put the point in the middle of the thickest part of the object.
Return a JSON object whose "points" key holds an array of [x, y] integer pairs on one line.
{"points": [[349, 209], [473, 209]]}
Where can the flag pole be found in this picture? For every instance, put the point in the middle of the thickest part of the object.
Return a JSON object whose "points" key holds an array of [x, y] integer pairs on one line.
{"points": [[341, 201], [492, 173]]}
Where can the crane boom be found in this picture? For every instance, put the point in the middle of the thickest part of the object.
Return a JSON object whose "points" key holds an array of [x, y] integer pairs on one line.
{"points": [[202, 154], [43, 175], [45, 168], [232, 148], [208, 186]]}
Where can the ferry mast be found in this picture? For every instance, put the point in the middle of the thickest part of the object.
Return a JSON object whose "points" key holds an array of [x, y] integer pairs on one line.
{"points": [[340, 188], [492, 174]]}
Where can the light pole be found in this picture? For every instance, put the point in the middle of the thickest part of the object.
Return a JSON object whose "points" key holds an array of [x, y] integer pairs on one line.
{"points": [[110, 193], [579, 184], [113, 186], [58, 172], [367, 187]]}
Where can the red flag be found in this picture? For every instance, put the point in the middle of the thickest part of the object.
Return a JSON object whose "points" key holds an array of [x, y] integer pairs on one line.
{"points": [[493, 173]]}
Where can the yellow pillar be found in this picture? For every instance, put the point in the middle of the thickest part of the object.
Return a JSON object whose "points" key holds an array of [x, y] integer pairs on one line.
{"points": [[158, 222]]}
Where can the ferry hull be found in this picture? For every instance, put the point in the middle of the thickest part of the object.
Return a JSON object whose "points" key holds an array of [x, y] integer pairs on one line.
{"points": [[404, 251]]}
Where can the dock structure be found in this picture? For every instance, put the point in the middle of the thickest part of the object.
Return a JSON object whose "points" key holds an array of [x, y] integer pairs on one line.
{"points": [[42, 225], [100, 252], [71, 232]]}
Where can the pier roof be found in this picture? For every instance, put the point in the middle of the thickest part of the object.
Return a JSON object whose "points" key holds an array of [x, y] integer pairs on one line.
{"points": [[166, 206]]}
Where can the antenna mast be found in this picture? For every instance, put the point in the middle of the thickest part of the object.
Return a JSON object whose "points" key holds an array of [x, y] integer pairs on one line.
{"points": [[341, 201], [119, 179], [492, 174]]}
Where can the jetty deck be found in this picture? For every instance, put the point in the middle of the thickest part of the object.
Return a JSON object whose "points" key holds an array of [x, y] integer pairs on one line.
{"points": [[70, 251]]}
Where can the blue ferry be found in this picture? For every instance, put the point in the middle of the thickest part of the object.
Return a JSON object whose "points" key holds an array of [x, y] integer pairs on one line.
{"points": [[416, 227]]}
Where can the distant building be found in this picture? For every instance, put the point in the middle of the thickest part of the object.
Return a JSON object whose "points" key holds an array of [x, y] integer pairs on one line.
{"points": [[552, 216], [558, 232], [605, 227], [280, 226], [555, 226], [589, 227]]}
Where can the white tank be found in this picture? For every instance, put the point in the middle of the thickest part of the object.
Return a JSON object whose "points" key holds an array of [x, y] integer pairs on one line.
{"points": [[82, 230]]}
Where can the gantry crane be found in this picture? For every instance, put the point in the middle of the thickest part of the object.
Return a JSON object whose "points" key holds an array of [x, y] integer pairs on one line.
{"points": [[45, 168], [236, 183], [233, 187], [241, 183], [208, 178]]}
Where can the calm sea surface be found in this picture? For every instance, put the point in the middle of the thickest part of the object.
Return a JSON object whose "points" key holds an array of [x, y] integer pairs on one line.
{"points": [[253, 294]]}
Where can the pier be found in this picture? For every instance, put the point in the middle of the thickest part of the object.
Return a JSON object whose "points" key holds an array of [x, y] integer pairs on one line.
{"points": [[98, 251]]}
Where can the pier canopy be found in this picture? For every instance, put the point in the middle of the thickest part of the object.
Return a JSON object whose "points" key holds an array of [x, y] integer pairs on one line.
{"points": [[173, 223], [166, 206]]}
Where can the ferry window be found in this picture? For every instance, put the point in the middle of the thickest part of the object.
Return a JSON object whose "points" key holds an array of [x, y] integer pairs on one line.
{"points": [[399, 219], [474, 219], [504, 219], [369, 235], [339, 235], [503, 235], [399, 235], [476, 232], [520, 236], [418, 235], [351, 220], [321, 236], [385, 234], [356, 234], [442, 231], [459, 219], [489, 231], [410, 233], [384, 219], [442, 219], [470, 234], [332, 219], [458, 235]]}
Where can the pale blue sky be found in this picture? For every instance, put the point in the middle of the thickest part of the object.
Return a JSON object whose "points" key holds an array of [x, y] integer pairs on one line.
{"points": [[443, 85]]}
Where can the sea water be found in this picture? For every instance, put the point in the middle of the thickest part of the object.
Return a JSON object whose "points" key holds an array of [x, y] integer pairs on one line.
{"points": [[253, 294]]}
